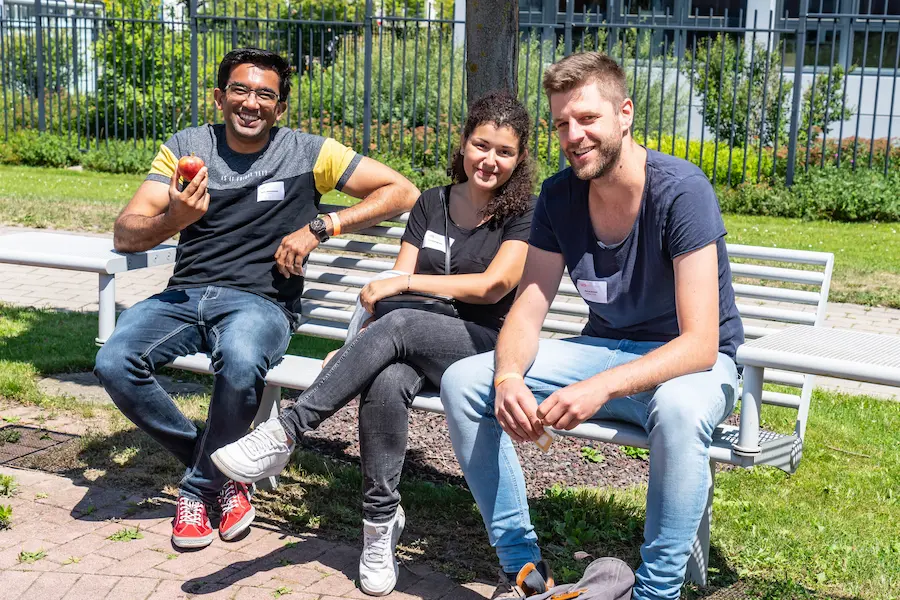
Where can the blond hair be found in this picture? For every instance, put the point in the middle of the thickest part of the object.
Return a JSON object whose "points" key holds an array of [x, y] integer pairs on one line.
{"points": [[575, 70]]}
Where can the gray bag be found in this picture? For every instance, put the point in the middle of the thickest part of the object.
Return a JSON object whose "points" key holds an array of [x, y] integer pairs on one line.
{"points": [[604, 579]]}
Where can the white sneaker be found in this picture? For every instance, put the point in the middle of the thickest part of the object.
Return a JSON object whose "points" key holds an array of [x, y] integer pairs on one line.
{"points": [[264, 452], [378, 568]]}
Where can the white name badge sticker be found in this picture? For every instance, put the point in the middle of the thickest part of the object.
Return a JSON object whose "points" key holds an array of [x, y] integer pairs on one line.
{"points": [[435, 242], [270, 192], [593, 291]]}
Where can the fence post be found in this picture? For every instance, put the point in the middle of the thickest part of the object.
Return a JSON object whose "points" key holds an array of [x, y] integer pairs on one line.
{"points": [[192, 15], [570, 18], [39, 42], [797, 93], [367, 78]]}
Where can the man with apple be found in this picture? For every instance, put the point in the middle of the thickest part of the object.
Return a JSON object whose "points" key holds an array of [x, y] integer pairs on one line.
{"points": [[243, 197]]}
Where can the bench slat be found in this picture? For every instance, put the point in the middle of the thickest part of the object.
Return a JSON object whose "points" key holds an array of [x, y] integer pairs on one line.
{"points": [[778, 254], [778, 273], [762, 292], [346, 245], [346, 262], [776, 314]]}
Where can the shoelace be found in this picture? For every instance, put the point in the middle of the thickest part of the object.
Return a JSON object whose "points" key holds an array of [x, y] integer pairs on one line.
{"points": [[377, 546], [190, 512], [230, 497], [259, 443]]}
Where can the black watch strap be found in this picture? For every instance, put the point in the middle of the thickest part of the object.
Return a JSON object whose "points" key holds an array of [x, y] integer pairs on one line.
{"points": [[318, 228]]}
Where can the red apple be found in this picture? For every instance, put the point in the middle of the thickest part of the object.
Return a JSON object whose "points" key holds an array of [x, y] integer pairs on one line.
{"points": [[189, 166]]}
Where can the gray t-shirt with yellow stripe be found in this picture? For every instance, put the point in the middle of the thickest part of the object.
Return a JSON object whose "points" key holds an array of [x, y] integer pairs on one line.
{"points": [[255, 201]]}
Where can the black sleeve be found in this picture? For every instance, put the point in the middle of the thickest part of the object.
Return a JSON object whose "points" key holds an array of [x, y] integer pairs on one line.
{"points": [[542, 234], [519, 228], [694, 219], [418, 221]]}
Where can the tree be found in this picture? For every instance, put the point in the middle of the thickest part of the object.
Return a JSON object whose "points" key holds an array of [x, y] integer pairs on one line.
{"points": [[733, 86], [492, 47]]}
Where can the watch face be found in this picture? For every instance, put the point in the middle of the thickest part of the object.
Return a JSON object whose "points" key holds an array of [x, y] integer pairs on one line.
{"points": [[317, 226]]}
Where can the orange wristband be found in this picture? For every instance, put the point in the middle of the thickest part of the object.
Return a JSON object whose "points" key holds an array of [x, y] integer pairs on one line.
{"points": [[335, 223], [501, 378]]}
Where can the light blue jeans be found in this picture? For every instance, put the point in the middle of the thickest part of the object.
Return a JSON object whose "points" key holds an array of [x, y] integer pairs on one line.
{"points": [[679, 417]]}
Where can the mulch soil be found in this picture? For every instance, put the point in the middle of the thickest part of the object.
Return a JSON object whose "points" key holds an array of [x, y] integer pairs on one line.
{"points": [[430, 455]]}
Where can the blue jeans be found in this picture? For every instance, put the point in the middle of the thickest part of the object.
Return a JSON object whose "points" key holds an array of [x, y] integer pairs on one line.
{"points": [[679, 416], [243, 333]]}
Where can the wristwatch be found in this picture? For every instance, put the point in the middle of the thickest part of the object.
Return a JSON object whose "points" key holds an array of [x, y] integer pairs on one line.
{"points": [[318, 228]]}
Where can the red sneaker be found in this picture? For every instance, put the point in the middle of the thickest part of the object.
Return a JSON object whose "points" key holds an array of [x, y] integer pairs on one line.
{"points": [[191, 528], [237, 512]]}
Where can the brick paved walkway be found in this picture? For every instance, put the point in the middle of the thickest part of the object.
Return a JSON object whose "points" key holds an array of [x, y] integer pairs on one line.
{"points": [[71, 524], [73, 290]]}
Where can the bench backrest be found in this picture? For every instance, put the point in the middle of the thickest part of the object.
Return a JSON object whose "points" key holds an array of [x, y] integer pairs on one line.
{"points": [[774, 288]]}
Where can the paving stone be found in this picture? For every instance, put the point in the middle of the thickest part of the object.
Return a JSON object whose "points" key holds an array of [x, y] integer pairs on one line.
{"points": [[123, 550], [79, 547], [52, 586], [168, 590], [193, 564], [89, 563], [431, 587], [133, 588], [135, 565], [91, 587], [14, 583], [336, 584], [301, 577]]}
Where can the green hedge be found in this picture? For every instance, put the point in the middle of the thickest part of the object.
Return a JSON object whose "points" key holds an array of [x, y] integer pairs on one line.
{"points": [[822, 193], [829, 193]]}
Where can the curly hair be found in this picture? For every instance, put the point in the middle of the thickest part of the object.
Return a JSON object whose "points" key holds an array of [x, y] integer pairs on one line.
{"points": [[503, 110]]}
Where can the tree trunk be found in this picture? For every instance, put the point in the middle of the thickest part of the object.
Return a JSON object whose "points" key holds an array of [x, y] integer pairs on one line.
{"points": [[492, 47]]}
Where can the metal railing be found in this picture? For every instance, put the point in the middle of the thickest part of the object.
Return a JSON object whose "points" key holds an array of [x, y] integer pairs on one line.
{"points": [[388, 78]]}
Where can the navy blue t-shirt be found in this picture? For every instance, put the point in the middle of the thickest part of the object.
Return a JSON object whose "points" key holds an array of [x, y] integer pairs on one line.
{"points": [[630, 287]]}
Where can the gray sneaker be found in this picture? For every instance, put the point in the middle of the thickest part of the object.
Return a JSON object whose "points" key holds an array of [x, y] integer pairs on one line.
{"points": [[378, 568], [264, 452]]}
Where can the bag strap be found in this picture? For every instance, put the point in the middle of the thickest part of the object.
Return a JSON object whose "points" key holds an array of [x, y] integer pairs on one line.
{"points": [[445, 202]]}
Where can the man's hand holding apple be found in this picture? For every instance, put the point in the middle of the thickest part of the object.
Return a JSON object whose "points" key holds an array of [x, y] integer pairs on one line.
{"points": [[190, 204]]}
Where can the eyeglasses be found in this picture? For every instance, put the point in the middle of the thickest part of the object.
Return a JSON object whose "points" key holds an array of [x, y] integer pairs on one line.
{"points": [[263, 96]]}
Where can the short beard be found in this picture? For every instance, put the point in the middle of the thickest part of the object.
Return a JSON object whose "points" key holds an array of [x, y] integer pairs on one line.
{"points": [[608, 156]]}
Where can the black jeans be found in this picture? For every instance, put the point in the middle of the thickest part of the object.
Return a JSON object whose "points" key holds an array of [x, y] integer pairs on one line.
{"points": [[388, 363]]}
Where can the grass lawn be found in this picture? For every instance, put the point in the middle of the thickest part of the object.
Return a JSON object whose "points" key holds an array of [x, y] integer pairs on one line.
{"points": [[867, 255], [829, 531]]}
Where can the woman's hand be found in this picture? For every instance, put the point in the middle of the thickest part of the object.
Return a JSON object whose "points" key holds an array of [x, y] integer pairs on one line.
{"points": [[383, 288], [328, 357]]}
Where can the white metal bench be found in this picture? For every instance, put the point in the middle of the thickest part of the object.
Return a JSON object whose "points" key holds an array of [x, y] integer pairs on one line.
{"points": [[83, 253], [774, 287]]}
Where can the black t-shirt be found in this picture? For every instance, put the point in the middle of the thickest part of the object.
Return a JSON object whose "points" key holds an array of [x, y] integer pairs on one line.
{"points": [[630, 287], [255, 201], [471, 250]]}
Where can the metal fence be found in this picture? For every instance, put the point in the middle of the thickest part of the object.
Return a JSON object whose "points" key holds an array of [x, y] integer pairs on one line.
{"points": [[746, 98]]}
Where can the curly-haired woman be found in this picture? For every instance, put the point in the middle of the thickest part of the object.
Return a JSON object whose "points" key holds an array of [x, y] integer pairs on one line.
{"points": [[484, 219]]}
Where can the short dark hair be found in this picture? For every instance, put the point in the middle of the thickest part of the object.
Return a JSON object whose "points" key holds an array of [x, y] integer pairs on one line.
{"points": [[580, 68], [263, 59]]}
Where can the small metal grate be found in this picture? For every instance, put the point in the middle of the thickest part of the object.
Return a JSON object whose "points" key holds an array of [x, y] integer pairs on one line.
{"points": [[20, 442]]}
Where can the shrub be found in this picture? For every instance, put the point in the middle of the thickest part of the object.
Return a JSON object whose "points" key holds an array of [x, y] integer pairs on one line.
{"points": [[116, 156], [731, 89], [28, 147], [820, 194]]}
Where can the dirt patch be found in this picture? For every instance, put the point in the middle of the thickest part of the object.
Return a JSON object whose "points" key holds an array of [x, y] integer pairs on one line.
{"points": [[430, 454]]}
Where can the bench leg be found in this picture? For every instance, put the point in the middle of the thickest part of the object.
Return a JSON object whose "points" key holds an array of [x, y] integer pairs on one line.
{"points": [[268, 408], [698, 563], [107, 308]]}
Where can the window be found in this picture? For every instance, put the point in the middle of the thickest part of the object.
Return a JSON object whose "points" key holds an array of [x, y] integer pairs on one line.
{"points": [[879, 7], [868, 54]]}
